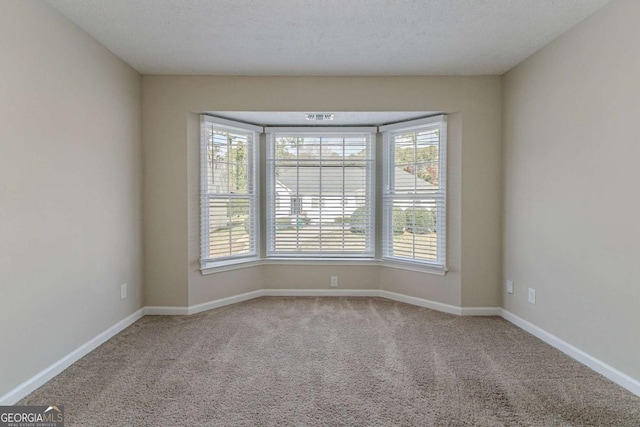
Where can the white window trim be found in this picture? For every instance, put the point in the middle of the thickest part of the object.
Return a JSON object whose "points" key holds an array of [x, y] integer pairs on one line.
{"points": [[412, 124], [243, 128], [272, 133], [388, 164], [231, 124]]}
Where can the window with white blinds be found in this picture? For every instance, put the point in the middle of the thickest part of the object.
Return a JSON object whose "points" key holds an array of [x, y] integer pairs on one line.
{"points": [[229, 203], [320, 192], [414, 191]]}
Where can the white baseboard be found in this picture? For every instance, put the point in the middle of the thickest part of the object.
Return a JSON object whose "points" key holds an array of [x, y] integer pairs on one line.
{"points": [[481, 311], [321, 292], [421, 302], [193, 309], [165, 311], [57, 367], [597, 365], [198, 308]]}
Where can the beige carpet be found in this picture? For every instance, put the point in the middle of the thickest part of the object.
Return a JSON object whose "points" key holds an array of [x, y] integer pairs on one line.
{"points": [[334, 362]]}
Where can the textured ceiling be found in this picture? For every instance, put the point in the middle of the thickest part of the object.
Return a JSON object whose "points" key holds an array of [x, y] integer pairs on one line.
{"points": [[329, 37]]}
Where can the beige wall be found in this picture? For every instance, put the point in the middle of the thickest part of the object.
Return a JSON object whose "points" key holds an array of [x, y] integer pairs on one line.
{"points": [[70, 188], [319, 277], [572, 211], [170, 130]]}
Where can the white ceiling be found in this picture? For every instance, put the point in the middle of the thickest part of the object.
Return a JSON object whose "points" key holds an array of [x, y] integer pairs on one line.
{"points": [[329, 37], [297, 118]]}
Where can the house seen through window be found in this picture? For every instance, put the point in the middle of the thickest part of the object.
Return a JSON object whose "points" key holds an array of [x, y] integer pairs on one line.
{"points": [[327, 179]]}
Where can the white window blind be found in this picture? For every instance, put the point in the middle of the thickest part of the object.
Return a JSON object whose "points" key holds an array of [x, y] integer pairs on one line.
{"points": [[229, 203], [320, 192], [414, 191]]}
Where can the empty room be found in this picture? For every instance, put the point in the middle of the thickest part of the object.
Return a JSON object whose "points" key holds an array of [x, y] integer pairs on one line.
{"points": [[319, 213]]}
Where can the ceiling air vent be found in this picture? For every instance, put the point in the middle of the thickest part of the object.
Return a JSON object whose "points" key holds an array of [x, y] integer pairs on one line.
{"points": [[318, 117]]}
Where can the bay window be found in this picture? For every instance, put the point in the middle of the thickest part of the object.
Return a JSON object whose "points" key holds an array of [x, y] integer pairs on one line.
{"points": [[320, 200]]}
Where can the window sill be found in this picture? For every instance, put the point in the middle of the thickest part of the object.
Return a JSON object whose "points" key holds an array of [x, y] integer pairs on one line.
{"points": [[320, 261], [212, 268], [413, 266]]}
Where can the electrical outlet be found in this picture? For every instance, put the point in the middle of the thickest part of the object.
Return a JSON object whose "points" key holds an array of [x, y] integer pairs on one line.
{"points": [[123, 291], [509, 286], [532, 296], [334, 281]]}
